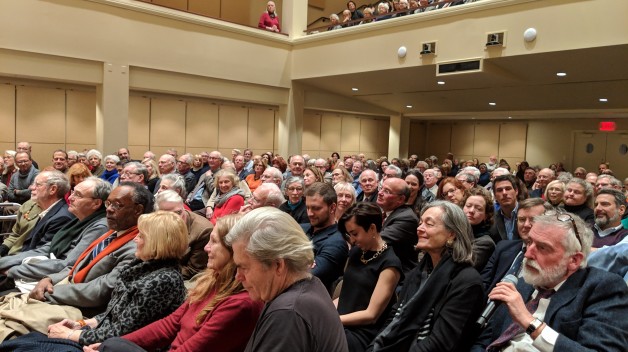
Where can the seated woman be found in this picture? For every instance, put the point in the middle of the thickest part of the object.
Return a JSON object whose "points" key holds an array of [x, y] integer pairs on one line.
{"points": [[229, 197], [94, 158], [370, 278], [479, 209], [136, 299], [443, 296], [153, 174], [312, 174], [345, 194], [419, 195], [254, 179], [218, 313], [111, 170], [451, 190], [554, 193], [76, 174], [295, 206], [340, 174]]}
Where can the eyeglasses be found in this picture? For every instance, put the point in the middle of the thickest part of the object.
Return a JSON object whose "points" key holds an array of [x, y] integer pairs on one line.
{"points": [[114, 206], [292, 189], [564, 217]]}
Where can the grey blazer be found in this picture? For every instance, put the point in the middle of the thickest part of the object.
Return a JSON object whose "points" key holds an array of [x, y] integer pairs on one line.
{"points": [[35, 271]]}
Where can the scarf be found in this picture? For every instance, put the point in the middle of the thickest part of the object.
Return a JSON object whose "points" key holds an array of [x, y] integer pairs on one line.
{"points": [[416, 304], [293, 206], [222, 198], [110, 176], [115, 244], [60, 243]]}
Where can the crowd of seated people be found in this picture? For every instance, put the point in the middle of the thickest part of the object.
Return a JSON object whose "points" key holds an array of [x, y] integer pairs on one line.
{"points": [[371, 254], [386, 9]]}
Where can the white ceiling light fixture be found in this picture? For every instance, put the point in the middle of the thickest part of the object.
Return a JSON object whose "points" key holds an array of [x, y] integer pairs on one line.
{"points": [[441, 82], [561, 74], [492, 104], [354, 89], [603, 100], [409, 106]]}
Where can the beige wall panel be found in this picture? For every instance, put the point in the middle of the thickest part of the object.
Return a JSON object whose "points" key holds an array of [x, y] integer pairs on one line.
{"points": [[331, 132], [234, 11], [616, 142], [438, 140], [173, 4], [416, 143], [312, 153], [40, 115], [198, 150], [139, 120], [482, 158], [42, 153], [7, 113], [84, 148], [486, 138], [81, 117], [137, 151], [311, 139], [350, 139], [232, 130], [462, 135], [167, 123], [161, 150], [261, 129], [382, 137], [6, 146], [464, 157], [368, 136], [512, 140], [276, 142], [209, 8], [201, 127]]}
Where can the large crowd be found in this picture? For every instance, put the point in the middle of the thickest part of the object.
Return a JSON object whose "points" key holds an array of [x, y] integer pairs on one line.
{"points": [[270, 253]]}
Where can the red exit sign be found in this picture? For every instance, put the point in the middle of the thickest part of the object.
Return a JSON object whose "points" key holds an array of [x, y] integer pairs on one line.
{"points": [[607, 126]]}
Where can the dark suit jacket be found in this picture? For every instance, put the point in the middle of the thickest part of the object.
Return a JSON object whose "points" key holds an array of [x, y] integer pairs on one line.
{"points": [[330, 253], [499, 263], [588, 311], [399, 231], [47, 226], [498, 231]]}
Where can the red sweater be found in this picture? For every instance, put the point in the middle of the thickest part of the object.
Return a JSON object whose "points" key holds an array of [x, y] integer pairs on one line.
{"points": [[226, 328], [231, 206]]}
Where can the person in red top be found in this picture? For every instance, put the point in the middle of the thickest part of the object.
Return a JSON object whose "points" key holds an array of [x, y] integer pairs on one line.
{"points": [[269, 20], [229, 197], [218, 313]]}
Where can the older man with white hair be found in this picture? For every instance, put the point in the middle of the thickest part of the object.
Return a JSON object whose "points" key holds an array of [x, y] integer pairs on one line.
{"points": [[265, 195]]}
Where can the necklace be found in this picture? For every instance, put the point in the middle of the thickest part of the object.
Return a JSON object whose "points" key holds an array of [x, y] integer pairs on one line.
{"points": [[377, 254]]}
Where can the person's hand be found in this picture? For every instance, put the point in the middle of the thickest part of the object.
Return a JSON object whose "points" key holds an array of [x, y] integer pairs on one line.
{"points": [[536, 186], [246, 208], [62, 329], [209, 212], [91, 348], [274, 28], [507, 293], [44, 285]]}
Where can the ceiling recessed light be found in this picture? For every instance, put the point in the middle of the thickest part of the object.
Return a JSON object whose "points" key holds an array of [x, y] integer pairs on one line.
{"points": [[354, 89], [510, 117], [492, 104], [603, 100], [441, 82], [561, 74], [409, 106]]}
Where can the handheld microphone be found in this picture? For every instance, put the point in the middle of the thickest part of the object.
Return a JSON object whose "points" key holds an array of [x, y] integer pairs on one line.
{"points": [[492, 305]]}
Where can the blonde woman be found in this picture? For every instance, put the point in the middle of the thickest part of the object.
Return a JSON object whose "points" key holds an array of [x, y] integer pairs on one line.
{"points": [[153, 174]]}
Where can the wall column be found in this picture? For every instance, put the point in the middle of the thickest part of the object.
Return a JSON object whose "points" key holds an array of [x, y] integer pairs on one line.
{"points": [[394, 137], [294, 18], [112, 108], [290, 126]]}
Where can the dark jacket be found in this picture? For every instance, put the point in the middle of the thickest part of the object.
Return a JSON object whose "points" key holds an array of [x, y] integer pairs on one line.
{"points": [[330, 253], [399, 231], [47, 226]]}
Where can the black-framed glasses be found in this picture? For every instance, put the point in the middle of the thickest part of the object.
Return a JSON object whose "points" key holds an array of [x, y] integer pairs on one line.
{"points": [[565, 217]]}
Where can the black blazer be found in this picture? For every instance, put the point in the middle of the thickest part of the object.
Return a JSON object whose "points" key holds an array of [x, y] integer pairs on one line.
{"points": [[399, 231], [498, 230], [499, 263], [588, 311], [47, 226]]}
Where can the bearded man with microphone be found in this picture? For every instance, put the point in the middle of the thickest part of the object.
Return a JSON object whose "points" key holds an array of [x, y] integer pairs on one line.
{"points": [[560, 305]]}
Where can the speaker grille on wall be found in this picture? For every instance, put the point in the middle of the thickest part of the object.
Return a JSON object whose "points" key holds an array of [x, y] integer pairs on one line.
{"points": [[459, 67]]}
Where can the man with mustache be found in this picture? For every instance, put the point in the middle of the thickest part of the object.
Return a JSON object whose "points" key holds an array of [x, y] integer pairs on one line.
{"points": [[570, 307], [608, 230]]}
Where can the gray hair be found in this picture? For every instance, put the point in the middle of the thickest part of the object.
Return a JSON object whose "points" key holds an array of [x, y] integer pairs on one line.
{"points": [[612, 180], [570, 241], [421, 163], [274, 197], [346, 186], [271, 234], [620, 197], [467, 177], [139, 168], [294, 179], [472, 170], [167, 196], [115, 158], [189, 158], [588, 189], [455, 221], [396, 169], [333, 16], [276, 173], [500, 171], [95, 153], [72, 153], [178, 183], [564, 177], [58, 179], [102, 188]]}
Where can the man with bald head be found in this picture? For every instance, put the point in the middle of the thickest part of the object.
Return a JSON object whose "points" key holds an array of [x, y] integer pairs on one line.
{"points": [[26, 148], [544, 177], [368, 186], [265, 195], [429, 176], [272, 175], [297, 166], [19, 187], [400, 221]]}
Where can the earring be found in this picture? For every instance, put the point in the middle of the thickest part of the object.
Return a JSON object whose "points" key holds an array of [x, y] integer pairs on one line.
{"points": [[450, 243]]}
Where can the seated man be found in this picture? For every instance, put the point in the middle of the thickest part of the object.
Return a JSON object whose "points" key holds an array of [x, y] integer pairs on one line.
{"points": [[613, 259], [570, 307], [610, 205], [26, 218], [265, 195], [330, 249], [92, 277], [48, 191], [195, 259], [87, 203]]}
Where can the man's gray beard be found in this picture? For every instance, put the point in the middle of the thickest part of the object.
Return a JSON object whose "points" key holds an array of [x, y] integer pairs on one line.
{"points": [[605, 221], [546, 278]]}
